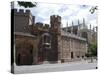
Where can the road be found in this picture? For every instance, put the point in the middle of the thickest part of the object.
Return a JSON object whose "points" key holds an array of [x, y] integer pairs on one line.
{"points": [[55, 67]]}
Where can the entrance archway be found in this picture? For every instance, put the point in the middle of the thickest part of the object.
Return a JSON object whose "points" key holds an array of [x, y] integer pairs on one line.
{"points": [[24, 54], [44, 47]]}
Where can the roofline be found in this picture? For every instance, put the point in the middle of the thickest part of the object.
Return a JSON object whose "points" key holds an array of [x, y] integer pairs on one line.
{"points": [[73, 36]]}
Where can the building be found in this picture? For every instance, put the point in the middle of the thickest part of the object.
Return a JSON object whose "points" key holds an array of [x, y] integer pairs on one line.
{"points": [[37, 43]]}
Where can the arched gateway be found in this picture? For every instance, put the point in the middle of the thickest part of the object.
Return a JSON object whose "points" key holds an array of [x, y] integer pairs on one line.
{"points": [[24, 53]]}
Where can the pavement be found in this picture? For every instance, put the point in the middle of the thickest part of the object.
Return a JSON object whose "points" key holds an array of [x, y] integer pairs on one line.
{"points": [[69, 66]]}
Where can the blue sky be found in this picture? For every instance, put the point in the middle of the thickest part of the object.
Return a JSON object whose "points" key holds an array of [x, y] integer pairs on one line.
{"points": [[68, 13]]}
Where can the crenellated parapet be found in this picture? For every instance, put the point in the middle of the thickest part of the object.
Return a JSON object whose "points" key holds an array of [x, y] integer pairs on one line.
{"points": [[21, 11], [46, 26], [42, 25], [39, 24], [22, 19], [55, 22], [55, 18]]}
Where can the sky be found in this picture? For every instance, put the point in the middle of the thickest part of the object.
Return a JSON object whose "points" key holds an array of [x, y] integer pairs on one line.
{"points": [[68, 13]]}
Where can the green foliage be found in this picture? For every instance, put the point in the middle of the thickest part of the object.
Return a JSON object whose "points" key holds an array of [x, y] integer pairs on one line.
{"points": [[93, 9], [87, 55], [93, 49], [27, 4]]}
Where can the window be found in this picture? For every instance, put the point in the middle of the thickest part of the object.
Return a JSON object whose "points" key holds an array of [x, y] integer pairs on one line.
{"points": [[78, 56], [84, 34], [46, 39], [72, 55], [82, 56]]}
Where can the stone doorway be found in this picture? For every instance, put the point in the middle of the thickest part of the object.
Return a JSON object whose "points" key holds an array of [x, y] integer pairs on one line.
{"points": [[43, 55], [24, 54], [44, 48]]}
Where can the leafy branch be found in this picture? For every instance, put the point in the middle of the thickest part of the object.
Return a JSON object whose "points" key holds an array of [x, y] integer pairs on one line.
{"points": [[27, 4]]}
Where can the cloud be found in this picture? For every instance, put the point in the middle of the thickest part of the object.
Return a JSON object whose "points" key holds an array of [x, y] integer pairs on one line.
{"points": [[69, 13]]}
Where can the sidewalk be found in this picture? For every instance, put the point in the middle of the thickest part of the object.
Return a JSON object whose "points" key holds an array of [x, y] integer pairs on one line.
{"points": [[83, 65]]}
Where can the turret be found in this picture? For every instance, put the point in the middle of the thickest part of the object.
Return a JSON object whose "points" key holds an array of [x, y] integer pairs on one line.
{"points": [[55, 22], [22, 20], [78, 27], [72, 27]]}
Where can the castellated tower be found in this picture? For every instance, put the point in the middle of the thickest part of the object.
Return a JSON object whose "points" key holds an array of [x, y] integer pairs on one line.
{"points": [[22, 20], [55, 22]]}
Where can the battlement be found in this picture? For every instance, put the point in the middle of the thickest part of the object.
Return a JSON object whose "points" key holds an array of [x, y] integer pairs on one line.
{"points": [[46, 25], [40, 25], [21, 11], [55, 17]]}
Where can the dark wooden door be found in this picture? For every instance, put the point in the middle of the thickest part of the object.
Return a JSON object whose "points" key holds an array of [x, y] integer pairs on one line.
{"points": [[72, 55]]}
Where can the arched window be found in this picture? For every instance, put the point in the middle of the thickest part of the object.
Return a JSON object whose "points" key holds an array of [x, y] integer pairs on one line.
{"points": [[46, 40], [84, 34]]}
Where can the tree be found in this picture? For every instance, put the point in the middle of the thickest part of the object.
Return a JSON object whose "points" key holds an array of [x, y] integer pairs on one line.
{"points": [[93, 9], [93, 49], [27, 4]]}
